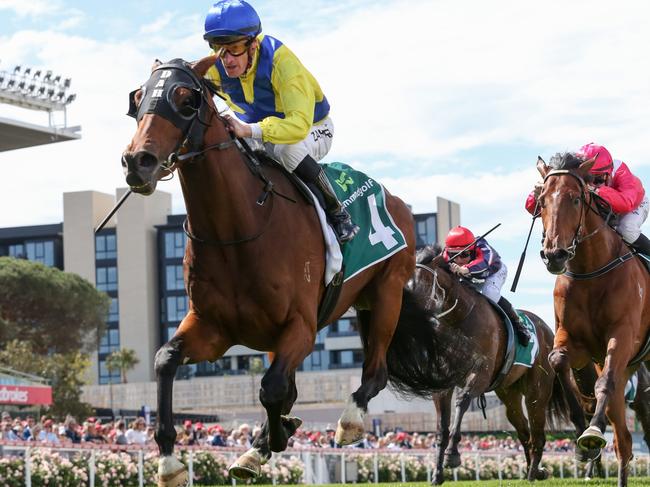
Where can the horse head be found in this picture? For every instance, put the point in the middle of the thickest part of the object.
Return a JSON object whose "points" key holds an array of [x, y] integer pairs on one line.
{"points": [[563, 203], [172, 110]]}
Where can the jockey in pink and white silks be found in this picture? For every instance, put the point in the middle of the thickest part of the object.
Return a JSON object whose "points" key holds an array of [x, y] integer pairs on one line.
{"points": [[614, 182], [482, 264]]}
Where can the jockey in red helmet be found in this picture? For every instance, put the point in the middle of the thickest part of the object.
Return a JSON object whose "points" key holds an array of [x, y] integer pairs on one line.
{"points": [[278, 105], [476, 259], [614, 182]]}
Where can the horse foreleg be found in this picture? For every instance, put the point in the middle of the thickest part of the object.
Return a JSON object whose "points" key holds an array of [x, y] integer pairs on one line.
{"points": [[193, 342], [536, 404], [622, 436], [171, 472], [511, 399], [278, 387], [452, 456], [442, 402], [249, 465], [377, 328]]}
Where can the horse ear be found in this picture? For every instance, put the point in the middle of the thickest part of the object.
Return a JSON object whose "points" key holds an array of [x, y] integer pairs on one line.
{"points": [[156, 62], [201, 66], [542, 167], [586, 166]]}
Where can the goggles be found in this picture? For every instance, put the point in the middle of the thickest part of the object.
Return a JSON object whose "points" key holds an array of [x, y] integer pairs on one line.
{"points": [[464, 254], [234, 48], [600, 179]]}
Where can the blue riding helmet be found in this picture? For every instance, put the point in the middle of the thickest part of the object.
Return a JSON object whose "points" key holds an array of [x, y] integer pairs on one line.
{"points": [[231, 19]]}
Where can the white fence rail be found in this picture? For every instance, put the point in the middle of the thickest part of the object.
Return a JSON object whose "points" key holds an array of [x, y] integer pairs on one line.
{"points": [[325, 465]]}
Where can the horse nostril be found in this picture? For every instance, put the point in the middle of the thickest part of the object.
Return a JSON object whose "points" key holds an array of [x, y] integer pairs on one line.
{"points": [[133, 179], [560, 254], [147, 160]]}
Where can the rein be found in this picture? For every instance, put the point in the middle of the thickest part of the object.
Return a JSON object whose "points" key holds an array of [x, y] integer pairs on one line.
{"points": [[578, 238], [432, 296]]}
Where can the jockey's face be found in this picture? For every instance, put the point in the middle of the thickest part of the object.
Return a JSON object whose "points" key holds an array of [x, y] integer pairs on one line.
{"points": [[462, 259], [237, 64]]}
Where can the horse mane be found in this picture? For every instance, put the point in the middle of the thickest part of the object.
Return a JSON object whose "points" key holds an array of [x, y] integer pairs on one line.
{"points": [[427, 254], [566, 160]]}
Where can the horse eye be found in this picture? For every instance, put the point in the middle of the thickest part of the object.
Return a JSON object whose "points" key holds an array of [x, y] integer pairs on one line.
{"points": [[576, 202]]}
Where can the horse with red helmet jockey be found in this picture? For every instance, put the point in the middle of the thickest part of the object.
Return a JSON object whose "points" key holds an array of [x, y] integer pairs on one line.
{"points": [[476, 260], [602, 306]]}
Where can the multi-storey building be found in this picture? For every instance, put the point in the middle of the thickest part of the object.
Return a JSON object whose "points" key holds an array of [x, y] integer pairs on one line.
{"points": [[137, 260]]}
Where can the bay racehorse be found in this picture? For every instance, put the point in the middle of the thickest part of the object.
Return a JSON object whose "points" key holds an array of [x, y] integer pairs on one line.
{"points": [[472, 342], [601, 296], [253, 264]]}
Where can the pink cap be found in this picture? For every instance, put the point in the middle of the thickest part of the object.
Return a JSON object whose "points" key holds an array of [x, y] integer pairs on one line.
{"points": [[604, 162]]}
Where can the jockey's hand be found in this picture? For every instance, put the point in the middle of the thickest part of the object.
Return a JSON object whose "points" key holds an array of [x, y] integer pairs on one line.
{"points": [[237, 127], [460, 270]]}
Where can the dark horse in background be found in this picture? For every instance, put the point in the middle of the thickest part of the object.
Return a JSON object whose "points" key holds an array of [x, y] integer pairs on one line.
{"points": [[253, 265], [601, 297], [472, 341], [586, 381]]}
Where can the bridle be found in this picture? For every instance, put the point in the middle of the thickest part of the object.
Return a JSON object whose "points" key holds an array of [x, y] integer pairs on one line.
{"points": [[193, 123], [578, 238]]}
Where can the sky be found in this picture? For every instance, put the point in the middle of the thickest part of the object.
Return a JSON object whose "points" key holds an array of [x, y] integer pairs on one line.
{"points": [[431, 98]]}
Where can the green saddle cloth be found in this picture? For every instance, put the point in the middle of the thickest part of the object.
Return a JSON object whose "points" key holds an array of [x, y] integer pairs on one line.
{"points": [[526, 355], [365, 200]]}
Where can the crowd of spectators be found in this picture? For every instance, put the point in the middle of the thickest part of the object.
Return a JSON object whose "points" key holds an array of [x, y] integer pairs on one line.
{"points": [[137, 432]]}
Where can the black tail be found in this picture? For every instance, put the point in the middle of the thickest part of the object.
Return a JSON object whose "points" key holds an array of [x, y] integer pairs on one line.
{"points": [[558, 411], [418, 357]]}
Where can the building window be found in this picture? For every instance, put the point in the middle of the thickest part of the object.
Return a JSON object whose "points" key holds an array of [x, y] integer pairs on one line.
{"points": [[105, 247], [174, 244], [425, 230], [110, 341], [113, 311], [105, 377], [343, 359], [106, 278], [174, 279], [176, 308], [170, 332], [315, 359], [17, 251], [344, 326]]}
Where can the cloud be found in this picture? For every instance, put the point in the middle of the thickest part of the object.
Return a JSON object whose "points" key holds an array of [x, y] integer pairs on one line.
{"points": [[30, 8], [157, 25]]}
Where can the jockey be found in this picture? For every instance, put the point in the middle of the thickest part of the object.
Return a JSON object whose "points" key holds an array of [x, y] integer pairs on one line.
{"points": [[482, 264], [278, 104], [614, 182]]}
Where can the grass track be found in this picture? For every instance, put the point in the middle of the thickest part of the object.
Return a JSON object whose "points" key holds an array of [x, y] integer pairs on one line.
{"points": [[633, 482]]}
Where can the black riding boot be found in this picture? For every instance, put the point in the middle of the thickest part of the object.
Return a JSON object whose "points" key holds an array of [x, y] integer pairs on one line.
{"points": [[642, 244], [520, 329], [312, 173]]}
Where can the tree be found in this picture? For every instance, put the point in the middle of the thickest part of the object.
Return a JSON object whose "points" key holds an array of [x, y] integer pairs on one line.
{"points": [[123, 360], [65, 372], [54, 311]]}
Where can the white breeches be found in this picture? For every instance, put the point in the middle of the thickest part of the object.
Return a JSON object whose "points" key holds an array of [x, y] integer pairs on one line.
{"points": [[629, 226], [317, 144], [492, 285]]}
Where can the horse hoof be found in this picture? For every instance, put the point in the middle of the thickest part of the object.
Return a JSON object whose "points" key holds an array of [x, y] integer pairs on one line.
{"points": [[172, 473], [592, 439], [438, 478], [247, 466], [584, 456], [452, 460], [291, 424], [542, 474], [348, 432]]}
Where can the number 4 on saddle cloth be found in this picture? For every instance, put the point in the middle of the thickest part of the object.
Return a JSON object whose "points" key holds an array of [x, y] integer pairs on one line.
{"points": [[378, 238]]}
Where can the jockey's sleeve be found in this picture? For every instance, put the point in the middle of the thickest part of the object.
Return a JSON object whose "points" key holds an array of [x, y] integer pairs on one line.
{"points": [[626, 192], [531, 203], [294, 90], [479, 267]]}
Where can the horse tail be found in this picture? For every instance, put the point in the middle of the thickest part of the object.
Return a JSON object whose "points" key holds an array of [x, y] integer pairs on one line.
{"points": [[415, 360], [558, 411]]}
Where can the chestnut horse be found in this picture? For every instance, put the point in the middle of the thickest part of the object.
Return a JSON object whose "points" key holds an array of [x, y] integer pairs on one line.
{"points": [[602, 307], [473, 343], [254, 263]]}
